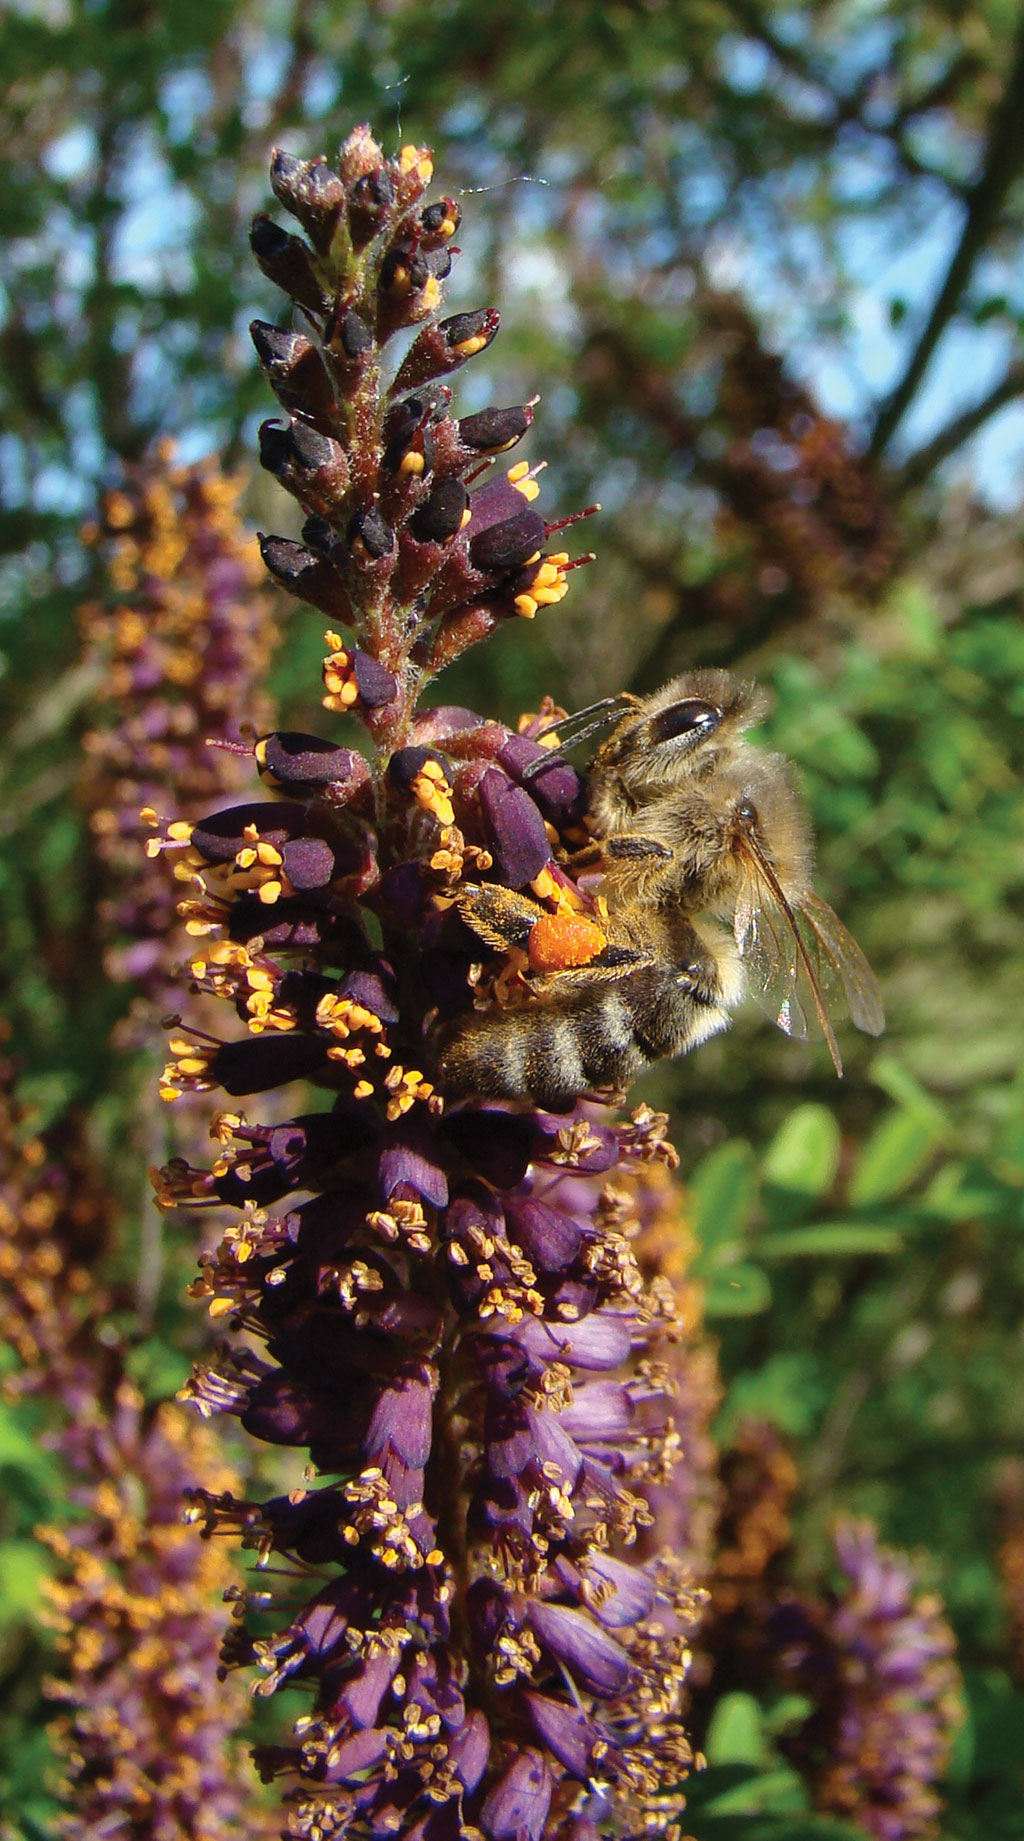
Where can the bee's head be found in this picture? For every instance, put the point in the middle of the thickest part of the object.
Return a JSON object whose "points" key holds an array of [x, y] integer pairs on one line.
{"points": [[686, 727]]}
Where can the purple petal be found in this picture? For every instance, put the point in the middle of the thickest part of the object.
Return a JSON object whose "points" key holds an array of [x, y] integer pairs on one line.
{"points": [[566, 1732], [409, 1161], [519, 842], [470, 1749], [358, 1753], [402, 1419], [549, 1238], [600, 1341], [594, 1658], [557, 788], [517, 1807]]}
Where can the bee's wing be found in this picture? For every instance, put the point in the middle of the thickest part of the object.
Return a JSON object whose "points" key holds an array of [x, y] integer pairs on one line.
{"points": [[800, 960], [839, 960], [771, 958]]}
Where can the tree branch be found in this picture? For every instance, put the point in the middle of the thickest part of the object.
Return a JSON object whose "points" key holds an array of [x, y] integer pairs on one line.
{"points": [[1004, 158], [959, 429]]}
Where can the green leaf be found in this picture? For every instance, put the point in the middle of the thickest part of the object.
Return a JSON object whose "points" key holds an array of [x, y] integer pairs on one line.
{"points": [[736, 1734], [897, 1152], [789, 1389], [723, 1193], [902, 1086], [741, 1290], [22, 1566], [803, 1157], [829, 1239]]}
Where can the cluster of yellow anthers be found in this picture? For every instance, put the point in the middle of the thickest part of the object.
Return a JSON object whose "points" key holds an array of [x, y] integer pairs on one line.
{"points": [[377, 1519], [340, 687], [432, 791], [516, 1296], [257, 867], [228, 970]]}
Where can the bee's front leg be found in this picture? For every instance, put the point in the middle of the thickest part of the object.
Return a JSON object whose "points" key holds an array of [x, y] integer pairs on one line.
{"points": [[622, 847]]}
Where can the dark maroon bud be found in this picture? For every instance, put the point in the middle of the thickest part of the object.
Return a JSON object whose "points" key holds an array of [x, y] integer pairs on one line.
{"points": [[404, 766], [371, 197], [445, 345], [294, 370], [320, 536], [519, 842], [315, 451], [441, 219], [375, 683], [310, 191], [256, 1063], [308, 464], [508, 545], [353, 334], [370, 537], [465, 334], [306, 576], [494, 430], [288, 758], [287, 261], [440, 517]]}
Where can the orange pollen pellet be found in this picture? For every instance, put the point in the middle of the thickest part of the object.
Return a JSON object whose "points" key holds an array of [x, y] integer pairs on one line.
{"points": [[559, 941]]}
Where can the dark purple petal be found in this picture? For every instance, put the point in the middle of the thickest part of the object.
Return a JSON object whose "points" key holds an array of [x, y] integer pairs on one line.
{"points": [[409, 1161], [519, 842], [601, 1341], [549, 1238], [557, 788], [360, 1752], [375, 683], [496, 1143], [566, 1732], [402, 1417], [594, 1658], [469, 1750]]}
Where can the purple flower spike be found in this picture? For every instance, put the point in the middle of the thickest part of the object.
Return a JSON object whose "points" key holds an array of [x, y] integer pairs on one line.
{"points": [[439, 1300], [878, 1663]]}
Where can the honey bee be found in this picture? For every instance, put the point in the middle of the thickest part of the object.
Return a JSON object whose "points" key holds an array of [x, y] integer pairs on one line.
{"points": [[704, 856]]}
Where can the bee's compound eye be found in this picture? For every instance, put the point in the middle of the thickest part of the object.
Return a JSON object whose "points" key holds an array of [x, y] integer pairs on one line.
{"points": [[746, 812], [692, 717]]}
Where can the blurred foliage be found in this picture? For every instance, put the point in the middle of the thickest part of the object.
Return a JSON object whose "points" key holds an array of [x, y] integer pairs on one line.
{"points": [[701, 220]]}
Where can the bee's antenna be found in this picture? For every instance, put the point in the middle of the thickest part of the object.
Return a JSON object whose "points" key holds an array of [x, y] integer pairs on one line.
{"points": [[576, 728]]}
